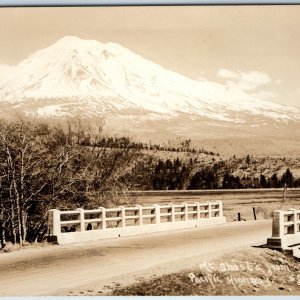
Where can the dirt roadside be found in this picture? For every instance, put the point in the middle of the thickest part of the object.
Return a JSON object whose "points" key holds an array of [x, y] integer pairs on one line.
{"points": [[252, 271]]}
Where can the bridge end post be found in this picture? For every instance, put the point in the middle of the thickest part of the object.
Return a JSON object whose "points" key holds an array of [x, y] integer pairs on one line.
{"points": [[54, 229], [276, 241]]}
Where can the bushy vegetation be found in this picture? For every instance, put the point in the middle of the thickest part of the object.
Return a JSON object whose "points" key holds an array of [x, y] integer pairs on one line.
{"points": [[44, 167]]}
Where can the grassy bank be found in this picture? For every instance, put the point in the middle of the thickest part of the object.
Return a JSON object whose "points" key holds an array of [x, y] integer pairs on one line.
{"points": [[252, 272]]}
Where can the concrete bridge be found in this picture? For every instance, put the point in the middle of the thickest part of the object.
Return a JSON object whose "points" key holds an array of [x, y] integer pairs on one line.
{"points": [[73, 267], [65, 227]]}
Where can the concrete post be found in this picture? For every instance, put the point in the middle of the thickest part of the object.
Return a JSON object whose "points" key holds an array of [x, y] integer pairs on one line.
{"points": [[157, 213], [209, 210], [277, 226], [198, 210], [103, 217], [54, 222], [220, 208], [173, 217], [186, 212], [81, 219], [123, 221], [140, 214]]}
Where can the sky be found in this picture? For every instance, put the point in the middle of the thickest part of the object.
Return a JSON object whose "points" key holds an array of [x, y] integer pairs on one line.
{"points": [[252, 48]]}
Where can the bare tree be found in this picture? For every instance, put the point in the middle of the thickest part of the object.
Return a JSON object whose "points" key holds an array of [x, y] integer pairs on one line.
{"points": [[45, 167]]}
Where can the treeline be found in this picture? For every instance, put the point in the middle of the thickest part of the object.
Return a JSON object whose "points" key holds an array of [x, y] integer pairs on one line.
{"points": [[123, 141], [287, 179], [178, 175]]}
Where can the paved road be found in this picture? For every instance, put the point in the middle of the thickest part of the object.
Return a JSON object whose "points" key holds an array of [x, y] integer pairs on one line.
{"points": [[56, 270]]}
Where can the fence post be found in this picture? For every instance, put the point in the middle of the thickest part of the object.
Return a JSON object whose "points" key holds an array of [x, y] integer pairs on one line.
{"points": [[54, 222], [254, 213], [140, 214], [209, 210], [81, 218], [157, 213], [103, 217]]}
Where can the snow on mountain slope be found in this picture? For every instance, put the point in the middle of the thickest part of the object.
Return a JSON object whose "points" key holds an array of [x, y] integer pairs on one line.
{"points": [[110, 78]]}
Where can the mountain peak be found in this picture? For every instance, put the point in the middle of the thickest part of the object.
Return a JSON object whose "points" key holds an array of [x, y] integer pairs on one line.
{"points": [[69, 38], [116, 79], [74, 42]]}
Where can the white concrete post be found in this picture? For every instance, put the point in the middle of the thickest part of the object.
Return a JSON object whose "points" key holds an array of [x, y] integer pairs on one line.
{"points": [[103, 217], [123, 221], [278, 226], [54, 222], [186, 212], [209, 210], [81, 218], [157, 213], [198, 210], [140, 214], [173, 212], [220, 208]]}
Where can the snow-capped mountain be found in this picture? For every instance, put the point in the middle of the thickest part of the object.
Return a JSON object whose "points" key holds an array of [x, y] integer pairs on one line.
{"points": [[88, 77], [134, 96]]}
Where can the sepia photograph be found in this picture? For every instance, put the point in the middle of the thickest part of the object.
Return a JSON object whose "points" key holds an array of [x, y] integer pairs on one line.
{"points": [[150, 150]]}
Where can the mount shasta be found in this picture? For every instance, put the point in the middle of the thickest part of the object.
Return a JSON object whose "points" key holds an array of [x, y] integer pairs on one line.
{"points": [[86, 78]]}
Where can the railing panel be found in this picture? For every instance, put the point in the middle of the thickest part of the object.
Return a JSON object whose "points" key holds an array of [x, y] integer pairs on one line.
{"points": [[106, 218]]}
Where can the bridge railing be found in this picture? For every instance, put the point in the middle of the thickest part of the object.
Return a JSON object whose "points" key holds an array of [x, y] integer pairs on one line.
{"points": [[80, 220], [285, 228]]}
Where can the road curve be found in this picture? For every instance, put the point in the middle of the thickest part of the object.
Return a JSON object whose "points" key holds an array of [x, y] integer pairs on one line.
{"points": [[55, 270]]}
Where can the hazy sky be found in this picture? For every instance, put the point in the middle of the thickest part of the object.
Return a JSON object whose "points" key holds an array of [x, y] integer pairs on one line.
{"points": [[252, 48]]}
